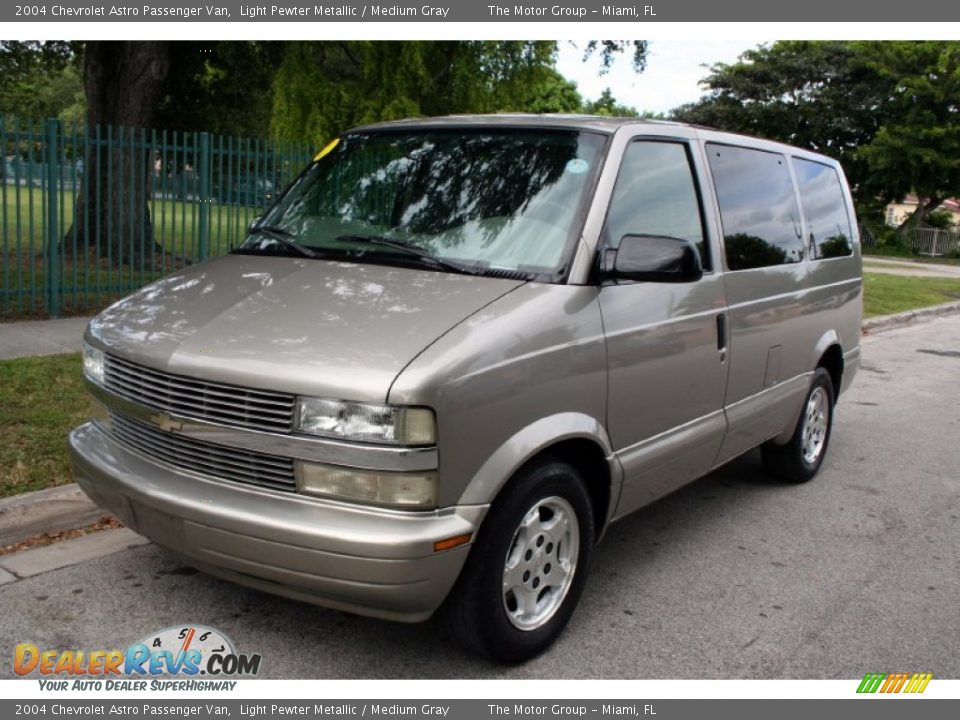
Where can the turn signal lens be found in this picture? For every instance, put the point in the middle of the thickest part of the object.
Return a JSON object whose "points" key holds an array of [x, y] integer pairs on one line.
{"points": [[93, 363], [390, 489], [451, 542]]}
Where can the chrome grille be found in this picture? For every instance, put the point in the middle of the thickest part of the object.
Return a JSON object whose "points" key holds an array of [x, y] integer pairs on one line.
{"points": [[221, 461], [189, 397]]}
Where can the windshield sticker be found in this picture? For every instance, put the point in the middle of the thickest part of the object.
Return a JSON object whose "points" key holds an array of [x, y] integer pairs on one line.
{"points": [[577, 166], [327, 149]]}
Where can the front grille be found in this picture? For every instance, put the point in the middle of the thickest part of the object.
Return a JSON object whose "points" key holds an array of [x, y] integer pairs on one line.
{"points": [[221, 461], [189, 397]]}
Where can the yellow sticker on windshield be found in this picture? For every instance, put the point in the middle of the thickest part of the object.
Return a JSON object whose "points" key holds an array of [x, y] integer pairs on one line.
{"points": [[328, 148]]}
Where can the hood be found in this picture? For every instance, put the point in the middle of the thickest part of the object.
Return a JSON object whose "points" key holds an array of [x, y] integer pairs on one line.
{"points": [[312, 327]]}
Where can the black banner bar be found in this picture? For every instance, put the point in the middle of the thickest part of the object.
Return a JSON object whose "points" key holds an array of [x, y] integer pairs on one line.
{"points": [[480, 11], [865, 708]]}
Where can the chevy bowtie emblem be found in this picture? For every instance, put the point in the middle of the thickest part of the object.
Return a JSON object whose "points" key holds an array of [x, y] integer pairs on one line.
{"points": [[166, 423]]}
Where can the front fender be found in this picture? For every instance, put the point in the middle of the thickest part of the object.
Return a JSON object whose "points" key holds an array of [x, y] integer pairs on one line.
{"points": [[504, 462]]}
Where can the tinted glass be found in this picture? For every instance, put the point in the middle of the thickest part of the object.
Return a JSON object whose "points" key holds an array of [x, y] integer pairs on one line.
{"points": [[758, 207], [487, 199], [656, 194], [824, 209]]}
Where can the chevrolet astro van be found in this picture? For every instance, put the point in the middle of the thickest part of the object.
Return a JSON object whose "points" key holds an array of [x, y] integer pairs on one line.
{"points": [[455, 350]]}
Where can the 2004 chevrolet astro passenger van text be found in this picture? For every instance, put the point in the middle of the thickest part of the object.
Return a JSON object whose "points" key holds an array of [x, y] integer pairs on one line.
{"points": [[455, 350]]}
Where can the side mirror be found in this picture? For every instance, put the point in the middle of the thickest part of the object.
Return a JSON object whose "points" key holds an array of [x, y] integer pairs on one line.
{"points": [[254, 224], [653, 258]]}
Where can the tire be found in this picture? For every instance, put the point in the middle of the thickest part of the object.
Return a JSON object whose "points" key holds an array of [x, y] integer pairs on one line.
{"points": [[525, 572], [799, 460]]}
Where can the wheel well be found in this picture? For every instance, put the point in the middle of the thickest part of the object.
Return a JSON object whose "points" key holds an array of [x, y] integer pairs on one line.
{"points": [[832, 362], [589, 458]]}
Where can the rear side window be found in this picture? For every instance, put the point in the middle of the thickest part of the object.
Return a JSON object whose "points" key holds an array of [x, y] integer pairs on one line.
{"points": [[656, 194], [821, 196], [758, 207]]}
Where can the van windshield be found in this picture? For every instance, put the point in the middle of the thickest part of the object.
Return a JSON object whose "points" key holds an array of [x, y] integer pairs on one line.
{"points": [[484, 201]]}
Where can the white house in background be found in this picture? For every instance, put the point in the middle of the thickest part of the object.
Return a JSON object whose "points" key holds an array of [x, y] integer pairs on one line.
{"points": [[896, 213]]}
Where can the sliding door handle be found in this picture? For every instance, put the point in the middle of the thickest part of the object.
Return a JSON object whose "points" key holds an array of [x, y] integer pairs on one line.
{"points": [[722, 334]]}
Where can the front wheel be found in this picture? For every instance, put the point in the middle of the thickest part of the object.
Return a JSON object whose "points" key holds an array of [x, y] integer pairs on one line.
{"points": [[527, 568], [800, 458]]}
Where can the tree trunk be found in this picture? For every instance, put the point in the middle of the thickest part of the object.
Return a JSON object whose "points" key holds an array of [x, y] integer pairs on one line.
{"points": [[123, 82], [924, 208]]}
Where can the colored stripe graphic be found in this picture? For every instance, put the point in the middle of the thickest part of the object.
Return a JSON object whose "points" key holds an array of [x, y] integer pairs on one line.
{"points": [[894, 682], [871, 682], [918, 683]]}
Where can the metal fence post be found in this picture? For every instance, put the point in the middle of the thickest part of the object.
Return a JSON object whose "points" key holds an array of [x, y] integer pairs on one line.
{"points": [[204, 219], [51, 159]]}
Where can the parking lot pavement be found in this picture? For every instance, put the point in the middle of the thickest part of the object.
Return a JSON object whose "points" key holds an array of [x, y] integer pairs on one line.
{"points": [[735, 576]]}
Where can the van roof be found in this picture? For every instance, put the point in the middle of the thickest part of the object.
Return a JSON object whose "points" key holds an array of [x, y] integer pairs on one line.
{"points": [[595, 123], [591, 123]]}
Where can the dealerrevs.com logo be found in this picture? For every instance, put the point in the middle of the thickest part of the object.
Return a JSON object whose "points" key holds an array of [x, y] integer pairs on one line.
{"points": [[186, 651]]}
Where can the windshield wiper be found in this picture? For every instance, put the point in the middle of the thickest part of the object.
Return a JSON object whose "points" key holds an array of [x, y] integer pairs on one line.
{"points": [[284, 237], [408, 248]]}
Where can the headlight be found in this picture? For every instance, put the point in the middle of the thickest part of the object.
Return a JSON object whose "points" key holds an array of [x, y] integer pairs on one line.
{"points": [[93, 363], [363, 421], [393, 489]]}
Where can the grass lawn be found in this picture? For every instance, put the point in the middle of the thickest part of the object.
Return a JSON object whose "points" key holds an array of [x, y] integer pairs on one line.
{"points": [[175, 221], [41, 399], [887, 294]]}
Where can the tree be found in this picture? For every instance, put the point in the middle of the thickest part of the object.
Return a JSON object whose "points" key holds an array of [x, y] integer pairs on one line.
{"points": [[41, 80], [322, 89], [608, 50], [941, 219], [888, 111], [220, 87], [223, 87], [917, 146], [123, 82], [607, 105], [817, 95]]}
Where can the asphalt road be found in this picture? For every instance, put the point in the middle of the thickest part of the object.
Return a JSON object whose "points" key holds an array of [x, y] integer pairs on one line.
{"points": [[736, 576]]}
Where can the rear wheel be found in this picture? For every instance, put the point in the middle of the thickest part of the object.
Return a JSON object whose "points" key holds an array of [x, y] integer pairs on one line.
{"points": [[527, 568], [800, 458]]}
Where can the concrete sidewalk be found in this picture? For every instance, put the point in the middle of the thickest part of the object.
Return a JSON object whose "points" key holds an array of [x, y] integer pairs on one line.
{"points": [[31, 338], [909, 268]]}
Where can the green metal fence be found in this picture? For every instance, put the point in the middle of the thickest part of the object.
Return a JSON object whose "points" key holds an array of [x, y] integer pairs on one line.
{"points": [[63, 256]]}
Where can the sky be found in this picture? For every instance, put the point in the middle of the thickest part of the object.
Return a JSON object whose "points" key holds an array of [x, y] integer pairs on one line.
{"points": [[674, 67]]}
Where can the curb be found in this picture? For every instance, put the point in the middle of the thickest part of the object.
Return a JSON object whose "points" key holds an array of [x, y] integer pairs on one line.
{"points": [[36, 561], [46, 511], [890, 322]]}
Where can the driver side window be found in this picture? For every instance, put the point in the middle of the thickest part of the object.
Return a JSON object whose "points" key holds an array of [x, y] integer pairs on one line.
{"points": [[656, 194]]}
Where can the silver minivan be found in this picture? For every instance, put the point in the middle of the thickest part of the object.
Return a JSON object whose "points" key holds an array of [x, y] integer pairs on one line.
{"points": [[455, 350]]}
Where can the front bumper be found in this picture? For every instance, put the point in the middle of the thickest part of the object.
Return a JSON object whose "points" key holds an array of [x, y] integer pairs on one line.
{"points": [[362, 560]]}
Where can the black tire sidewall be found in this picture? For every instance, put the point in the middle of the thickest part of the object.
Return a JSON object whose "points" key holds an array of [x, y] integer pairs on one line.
{"points": [[502, 640], [821, 378]]}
